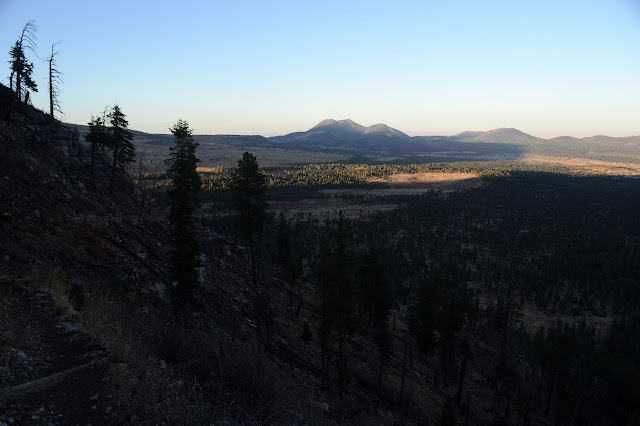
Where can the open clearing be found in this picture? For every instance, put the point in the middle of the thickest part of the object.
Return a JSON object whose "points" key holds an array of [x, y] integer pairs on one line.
{"points": [[413, 183], [430, 178], [396, 184], [609, 168]]}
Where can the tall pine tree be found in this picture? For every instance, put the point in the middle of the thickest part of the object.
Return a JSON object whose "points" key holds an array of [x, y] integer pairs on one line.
{"points": [[249, 187], [120, 142], [185, 184], [98, 138], [21, 68], [337, 305]]}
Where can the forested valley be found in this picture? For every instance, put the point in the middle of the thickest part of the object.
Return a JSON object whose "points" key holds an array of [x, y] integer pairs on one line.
{"points": [[529, 281]]}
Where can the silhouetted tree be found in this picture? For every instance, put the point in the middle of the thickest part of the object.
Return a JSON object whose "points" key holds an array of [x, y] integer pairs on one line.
{"points": [[55, 78], [338, 305], [423, 315], [449, 414], [288, 261], [438, 316], [377, 295], [249, 187], [21, 68], [120, 142], [97, 138], [185, 184], [452, 317], [467, 355]]}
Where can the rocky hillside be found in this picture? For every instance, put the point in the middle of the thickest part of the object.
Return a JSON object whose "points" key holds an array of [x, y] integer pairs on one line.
{"points": [[50, 211], [88, 333]]}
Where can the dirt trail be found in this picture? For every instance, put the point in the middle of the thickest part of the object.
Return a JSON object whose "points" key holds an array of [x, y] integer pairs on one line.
{"points": [[49, 344]]}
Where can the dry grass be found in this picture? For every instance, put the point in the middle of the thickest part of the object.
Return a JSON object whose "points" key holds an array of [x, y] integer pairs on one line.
{"points": [[167, 372], [116, 329], [591, 166], [412, 178], [393, 185], [52, 276]]}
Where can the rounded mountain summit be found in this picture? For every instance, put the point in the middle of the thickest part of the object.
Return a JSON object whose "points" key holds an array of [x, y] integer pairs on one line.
{"points": [[341, 130]]}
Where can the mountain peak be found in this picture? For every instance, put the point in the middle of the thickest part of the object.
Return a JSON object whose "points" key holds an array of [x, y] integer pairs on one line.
{"points": [[350, 129], [341, 125], [505, 135]]}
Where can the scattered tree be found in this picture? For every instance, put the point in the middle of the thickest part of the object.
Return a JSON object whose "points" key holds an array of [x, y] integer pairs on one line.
{"points": [[55, 78], [185, 184], [120, 142], [338, 305], [288, 261], [97, 138], [21, 69], [249, 187], [376, 299]]}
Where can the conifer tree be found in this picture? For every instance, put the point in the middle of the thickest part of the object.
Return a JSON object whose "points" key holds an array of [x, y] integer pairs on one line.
{"points": [[97, 138], [423, 315], [338, 305], [120, 142], [382, 301], [249, 187], [287, 260], [185, 184], [21, 68], [326, 309]]}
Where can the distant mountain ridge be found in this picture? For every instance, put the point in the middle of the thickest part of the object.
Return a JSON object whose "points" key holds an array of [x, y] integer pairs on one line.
{"points": [[346, 136], [347, 129]]}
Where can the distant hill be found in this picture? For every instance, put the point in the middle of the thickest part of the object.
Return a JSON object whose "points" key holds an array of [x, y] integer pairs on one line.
{"points": [[341, 130], [565, 139], [469, 135], [504, 135], [609, 140]]}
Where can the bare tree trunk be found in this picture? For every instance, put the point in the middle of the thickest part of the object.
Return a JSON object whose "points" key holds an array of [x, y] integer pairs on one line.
{"points": [[10, 97], [463, 370], [323, 368], [299, 299], [340, 364], [51, 85], [552, 386], [113, 168], [18, 89], [252, 259], [405, 358], [380, 371]]}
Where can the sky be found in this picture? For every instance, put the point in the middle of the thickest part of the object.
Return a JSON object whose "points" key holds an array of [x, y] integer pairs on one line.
{"points": [[270, 67]]}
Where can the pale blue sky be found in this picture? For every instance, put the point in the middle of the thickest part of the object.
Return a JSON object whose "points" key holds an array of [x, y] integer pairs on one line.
{"points": [[271, 67]]}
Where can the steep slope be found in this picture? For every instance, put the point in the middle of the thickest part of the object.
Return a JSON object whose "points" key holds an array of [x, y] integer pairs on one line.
{"points": [[50, 201]]}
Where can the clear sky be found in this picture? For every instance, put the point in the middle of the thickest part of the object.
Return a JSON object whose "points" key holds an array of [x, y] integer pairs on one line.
{"points": [[271, 67]]}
